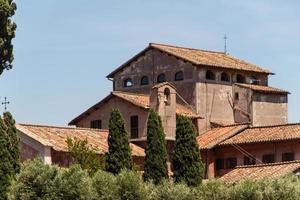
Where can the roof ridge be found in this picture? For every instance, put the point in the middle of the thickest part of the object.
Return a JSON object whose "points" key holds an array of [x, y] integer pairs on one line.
{"points": [[130, 93], [62, 127], [181, 47], [275, 125], [268, 164]]}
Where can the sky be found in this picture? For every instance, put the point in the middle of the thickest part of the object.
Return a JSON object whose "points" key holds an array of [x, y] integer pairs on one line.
{"points": [[64, 49]]}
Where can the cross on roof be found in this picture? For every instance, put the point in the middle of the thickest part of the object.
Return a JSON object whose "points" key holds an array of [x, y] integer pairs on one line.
{"points": [[5, 103], [225, 44]]}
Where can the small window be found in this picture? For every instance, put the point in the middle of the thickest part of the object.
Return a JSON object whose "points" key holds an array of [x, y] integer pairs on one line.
{"points": [[134, 126], [225, 77], [268, 158], [236, 96], [231, 163], [128, 82], [210, 75], [96, 124], [249, 160], [289, 156], [220, 163], [240, 78], [179, 76], [144, 80], [167, 96], [161, 78]]}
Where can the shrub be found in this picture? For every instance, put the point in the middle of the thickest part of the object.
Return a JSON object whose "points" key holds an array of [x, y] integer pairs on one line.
{"points": [[212, 190], [131, 186], [105, 186]]}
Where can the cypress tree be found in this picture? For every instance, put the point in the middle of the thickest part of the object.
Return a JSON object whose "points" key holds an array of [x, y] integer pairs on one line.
{"points": [[156, 154], [119, 151], [187, 163], [14, 142], [6, 167]]}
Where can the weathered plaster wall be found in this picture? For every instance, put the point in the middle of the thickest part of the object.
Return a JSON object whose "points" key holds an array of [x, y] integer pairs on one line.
{"points": [[127, 110]]}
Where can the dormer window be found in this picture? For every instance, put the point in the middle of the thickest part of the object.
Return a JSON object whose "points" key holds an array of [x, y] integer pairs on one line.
{"points": [[144, 80], [128, 83], [161, 78], [240, 78], [225, 77], [210, 75], [179, 76]]}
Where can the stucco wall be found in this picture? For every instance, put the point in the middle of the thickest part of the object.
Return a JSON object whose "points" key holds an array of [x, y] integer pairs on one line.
{"points": [[127, 110]]}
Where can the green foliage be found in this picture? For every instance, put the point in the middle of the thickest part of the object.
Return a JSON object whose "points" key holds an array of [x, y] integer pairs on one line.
{"points": [[105, 186], [6, 166], [156, 154], [187, 163], [83, 155], [119, 151], [131, 186], [14, 141], [7, 33]]}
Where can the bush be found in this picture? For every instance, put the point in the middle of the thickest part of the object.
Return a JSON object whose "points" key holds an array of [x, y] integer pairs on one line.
{"points": [[105, 186], [131, 186]]}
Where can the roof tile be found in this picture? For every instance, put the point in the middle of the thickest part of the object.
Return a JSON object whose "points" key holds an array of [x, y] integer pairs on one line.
{"points": [[262, 88]]}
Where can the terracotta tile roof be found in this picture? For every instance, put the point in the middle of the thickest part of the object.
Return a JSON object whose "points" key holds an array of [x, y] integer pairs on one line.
{"points": [[264, 89], [199, 57], [140, 100], [261, 171], [56, 137], [265, 134], [217, 135]]}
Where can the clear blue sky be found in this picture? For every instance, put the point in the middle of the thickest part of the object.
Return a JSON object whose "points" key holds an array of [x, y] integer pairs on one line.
{"points": [[64, 49]]}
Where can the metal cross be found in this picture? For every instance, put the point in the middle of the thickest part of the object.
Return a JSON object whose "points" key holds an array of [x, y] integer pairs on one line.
{"points": [[5, 103], [225, 44]]}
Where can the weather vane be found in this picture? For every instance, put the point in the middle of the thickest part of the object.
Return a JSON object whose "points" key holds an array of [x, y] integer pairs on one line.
{"points": [[5, 103]]}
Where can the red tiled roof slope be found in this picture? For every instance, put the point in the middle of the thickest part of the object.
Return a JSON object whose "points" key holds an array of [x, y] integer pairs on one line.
{"points": [[262, 88], [215, 136], [56, 137], [265, 134], [261, 171]]}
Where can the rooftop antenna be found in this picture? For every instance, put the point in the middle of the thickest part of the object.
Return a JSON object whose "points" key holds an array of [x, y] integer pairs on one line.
{"points": [[225, 44]]}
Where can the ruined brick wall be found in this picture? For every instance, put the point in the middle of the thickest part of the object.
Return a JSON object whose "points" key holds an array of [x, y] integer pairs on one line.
{"points": [[127, 110]]}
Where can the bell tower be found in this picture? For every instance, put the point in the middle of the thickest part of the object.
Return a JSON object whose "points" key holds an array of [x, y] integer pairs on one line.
{"points": [[163, 101]]}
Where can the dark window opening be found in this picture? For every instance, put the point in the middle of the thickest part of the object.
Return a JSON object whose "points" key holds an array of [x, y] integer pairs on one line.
{"points": [[249, 160], [236, 96], [179, 76], [96, 124], [128, 83], [220, 163], [225, 77], [134, 126], [167, 96], [231, 163], [268, 158], [289, 156], [144, 80], [210, 75], [240, 79], [161, 78], [254, 80]]}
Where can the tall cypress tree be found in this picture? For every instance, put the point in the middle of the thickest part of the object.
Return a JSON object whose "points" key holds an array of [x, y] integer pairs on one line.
{"points": [[119, 151], [156, 154], [6, 167], [187, 163], [14, 142]]}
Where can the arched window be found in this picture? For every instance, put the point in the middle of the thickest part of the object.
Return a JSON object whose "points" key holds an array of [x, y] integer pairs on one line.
{"points": [[167, 96], [225, 77], [210, 75], [254, 80], [128, 83], [179, 76], [240, 78], [161, 78], [144, 80]]}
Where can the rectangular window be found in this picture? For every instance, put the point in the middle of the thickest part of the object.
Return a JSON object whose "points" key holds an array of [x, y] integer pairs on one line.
{"points": [[236, 96], [96, 124], [249, 160], [231, 163], [134, 126], [289, 156], [268, 158], [220, 163]]}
